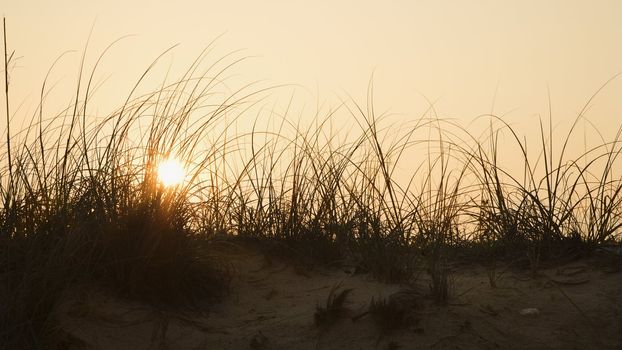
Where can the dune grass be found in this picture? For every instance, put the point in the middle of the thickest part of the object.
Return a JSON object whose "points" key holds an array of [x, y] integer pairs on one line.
{"points": [[82, 203]]}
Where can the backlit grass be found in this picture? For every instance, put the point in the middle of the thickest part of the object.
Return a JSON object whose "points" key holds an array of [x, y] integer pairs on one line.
{"points": [[83, 201]]}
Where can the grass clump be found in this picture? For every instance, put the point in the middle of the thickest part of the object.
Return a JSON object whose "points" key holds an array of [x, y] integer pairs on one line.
{"points": [[334, 308], [396, 311]]}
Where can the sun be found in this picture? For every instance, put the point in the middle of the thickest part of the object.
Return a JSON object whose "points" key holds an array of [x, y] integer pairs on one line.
{"points": [[171, 172]]}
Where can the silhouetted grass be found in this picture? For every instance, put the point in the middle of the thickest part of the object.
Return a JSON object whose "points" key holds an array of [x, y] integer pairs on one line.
{"points": [[81, 200], [81, 203]]}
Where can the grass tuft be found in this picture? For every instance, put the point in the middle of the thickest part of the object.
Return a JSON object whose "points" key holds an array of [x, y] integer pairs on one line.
{"points": [[326, 315]]}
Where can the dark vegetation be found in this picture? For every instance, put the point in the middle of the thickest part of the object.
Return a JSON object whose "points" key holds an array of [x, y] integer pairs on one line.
{"points": [[334, 308], [82, 204]]}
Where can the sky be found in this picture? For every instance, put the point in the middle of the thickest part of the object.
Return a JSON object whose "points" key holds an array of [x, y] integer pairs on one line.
{"points": [[469, 57]]}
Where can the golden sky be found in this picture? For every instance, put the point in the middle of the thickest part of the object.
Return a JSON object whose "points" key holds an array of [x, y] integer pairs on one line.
{"points": [[464, 55]]}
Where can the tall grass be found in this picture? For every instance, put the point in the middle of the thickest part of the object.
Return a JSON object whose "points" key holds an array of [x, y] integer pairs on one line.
{"points": [[82, 203], [560, 207]]}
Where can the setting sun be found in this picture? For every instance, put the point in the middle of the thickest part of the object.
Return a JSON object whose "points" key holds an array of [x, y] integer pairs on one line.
{"points": [[171, 172]]}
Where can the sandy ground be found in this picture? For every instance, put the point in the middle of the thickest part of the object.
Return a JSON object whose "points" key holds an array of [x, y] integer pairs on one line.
{"points": [[272, 306]]}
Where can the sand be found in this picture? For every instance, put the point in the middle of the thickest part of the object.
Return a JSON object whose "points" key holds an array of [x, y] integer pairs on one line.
{"points": [[272, 304]]}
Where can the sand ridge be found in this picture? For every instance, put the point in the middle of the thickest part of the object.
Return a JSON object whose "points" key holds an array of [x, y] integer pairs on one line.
{"points": [[272, 305]]}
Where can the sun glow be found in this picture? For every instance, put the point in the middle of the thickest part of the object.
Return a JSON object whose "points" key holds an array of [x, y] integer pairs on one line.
{"points": [[171, 172]]}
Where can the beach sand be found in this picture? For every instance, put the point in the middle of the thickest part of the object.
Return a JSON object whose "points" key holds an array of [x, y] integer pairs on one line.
{"points": [[578, 305]]}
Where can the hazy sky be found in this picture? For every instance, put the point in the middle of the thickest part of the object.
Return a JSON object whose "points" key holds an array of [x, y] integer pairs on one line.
{"points": [[457, 53]]}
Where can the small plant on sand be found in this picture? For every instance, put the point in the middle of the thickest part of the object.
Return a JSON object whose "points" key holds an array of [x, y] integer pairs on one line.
{"points": [[334, 308], [396, 311], [441, 282], [533, 255], [492, 275]]}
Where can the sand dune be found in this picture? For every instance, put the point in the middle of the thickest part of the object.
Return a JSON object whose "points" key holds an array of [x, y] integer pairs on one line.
{"points": [[272, 306]]}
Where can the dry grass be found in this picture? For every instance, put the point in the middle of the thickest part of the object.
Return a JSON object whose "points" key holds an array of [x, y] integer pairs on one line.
{"points": [[334, 308], [81, 202]]}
